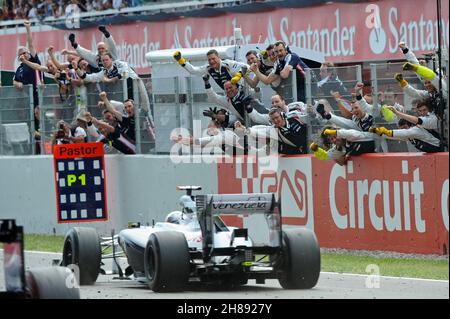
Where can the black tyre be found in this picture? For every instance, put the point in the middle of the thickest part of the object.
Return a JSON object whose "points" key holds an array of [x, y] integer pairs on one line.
{"points": [[167, 261], [301, 262], [82, 248], [51, 283]]}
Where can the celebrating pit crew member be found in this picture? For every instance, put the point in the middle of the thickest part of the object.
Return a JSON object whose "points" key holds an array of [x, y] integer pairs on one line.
{"points": [[235, 101], [431, 92], [365, 102], [420, 138], [265, 65], [217, 136], [299, 109], [95, 58], [360, 120], [126, 122], [24, 74], [110, 135], [426, 119], [289, 132], [220, 70], [340, 144], [113, 71], [420, 68], [286, 63]]}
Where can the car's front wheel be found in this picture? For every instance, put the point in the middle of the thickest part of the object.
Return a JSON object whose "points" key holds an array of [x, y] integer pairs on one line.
{"points": [[82, 248]]}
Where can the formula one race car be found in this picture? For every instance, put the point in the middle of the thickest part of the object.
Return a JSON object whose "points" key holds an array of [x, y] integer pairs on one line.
{"points": [[195, 245], [37, 283]]}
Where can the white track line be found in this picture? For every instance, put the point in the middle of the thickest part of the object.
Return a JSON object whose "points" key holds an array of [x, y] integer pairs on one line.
{"points": [[387, 277]]}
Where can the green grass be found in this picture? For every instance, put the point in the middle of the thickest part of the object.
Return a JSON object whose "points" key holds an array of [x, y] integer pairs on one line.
{"points": [[414, 268], [340, 263], [50, 243]]}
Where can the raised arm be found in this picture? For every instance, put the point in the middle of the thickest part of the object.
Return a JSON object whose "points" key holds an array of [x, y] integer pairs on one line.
{"points": [[27, 25], [269, 79], [410, 118], [109, 106], [55, 61], [33, 65], [202, 70]]}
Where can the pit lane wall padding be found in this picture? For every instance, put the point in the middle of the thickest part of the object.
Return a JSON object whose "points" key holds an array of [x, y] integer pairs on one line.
{"points": [[140, 188], [392, 202]]}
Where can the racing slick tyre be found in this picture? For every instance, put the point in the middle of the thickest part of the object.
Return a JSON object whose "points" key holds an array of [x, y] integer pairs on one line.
{"points": [[167, 261], [51, 283], [82, 248], [301, 263]]}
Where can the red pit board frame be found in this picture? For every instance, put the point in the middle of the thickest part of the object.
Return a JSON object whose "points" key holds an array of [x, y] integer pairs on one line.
{"points": [[80, 182]]}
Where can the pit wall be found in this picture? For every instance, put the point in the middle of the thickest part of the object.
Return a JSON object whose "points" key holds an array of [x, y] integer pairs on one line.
{"points": [[393, 202]]}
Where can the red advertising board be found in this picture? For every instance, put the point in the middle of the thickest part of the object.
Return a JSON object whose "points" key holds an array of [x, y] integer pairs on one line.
{"points": [[394, 202], [344, 32]]}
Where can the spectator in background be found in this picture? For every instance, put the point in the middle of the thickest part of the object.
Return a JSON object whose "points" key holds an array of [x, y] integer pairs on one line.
{"points": [[56, 10], [67, 134], [117, 4], [330, 85], [33, 12]]}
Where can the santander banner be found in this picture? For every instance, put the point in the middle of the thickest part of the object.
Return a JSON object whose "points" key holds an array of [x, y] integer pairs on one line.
{"points": [[392, 202], [343, 32]]}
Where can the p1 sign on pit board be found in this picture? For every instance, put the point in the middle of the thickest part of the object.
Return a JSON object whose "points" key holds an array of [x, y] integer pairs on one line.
{"points": [[80, 182]]}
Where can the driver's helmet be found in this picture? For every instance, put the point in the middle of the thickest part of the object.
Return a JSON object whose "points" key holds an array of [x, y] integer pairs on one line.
{"points": [[187, 204], [174, 217]]}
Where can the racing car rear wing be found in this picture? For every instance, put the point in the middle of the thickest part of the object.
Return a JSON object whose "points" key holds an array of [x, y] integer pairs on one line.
{"points": [[237, 204], [244, 205]]}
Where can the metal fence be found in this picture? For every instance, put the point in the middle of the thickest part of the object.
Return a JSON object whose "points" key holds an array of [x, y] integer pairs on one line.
{"points": [[16, 121], [164, 105]]}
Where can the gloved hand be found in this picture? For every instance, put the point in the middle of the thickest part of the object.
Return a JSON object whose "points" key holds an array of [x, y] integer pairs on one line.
{"points": [[210, 113], [380, 131], [314, 147], [409, 66], [72, 40], [177, 56], [235, 79], [401, 80], [264, 54], [321, 110], [319, 152], [206, 80], [330, 132], [103, 30]]}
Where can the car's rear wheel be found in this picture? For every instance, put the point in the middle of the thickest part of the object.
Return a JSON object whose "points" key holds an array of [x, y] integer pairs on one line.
{"points": [[300, 268], [51, 283], [82, 248], [167, 261]]}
